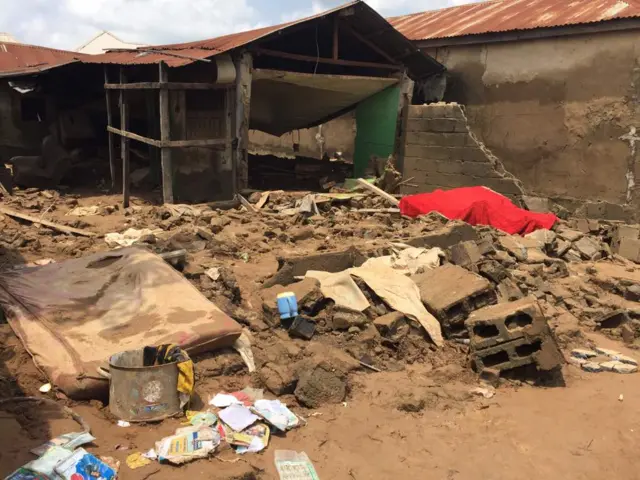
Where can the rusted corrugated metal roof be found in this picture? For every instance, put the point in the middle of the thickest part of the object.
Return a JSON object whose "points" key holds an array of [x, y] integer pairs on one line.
{"points": [[145, 57], [18, 58], [508, 15]]}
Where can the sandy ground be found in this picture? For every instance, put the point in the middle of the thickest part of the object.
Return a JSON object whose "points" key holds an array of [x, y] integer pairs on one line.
{"points": [[581, 431], [421, 421]]}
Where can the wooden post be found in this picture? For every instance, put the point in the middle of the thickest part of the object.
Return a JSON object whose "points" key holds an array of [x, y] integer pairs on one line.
{"points": [[153, 131], [244, 69], [165, 135], [124, 142], [227, 165], [336, 31], [406, 96], [111, 139]]}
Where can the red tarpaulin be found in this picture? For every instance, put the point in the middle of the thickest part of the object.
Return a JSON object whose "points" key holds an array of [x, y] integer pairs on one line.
{"points": [[477, 206]]}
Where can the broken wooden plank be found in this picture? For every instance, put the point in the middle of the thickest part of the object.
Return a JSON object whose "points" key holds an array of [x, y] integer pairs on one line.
{"points": [[135, 136], [246, 204], [168, 86], [46, 223], [264, 197], [378, 191]]}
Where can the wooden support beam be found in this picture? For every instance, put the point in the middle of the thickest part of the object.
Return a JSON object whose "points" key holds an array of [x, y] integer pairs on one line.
{"points": [[124, 142], [331, 61], [336, 34], [244, 68], [165, 136], [111, 138], [168, 86], [370, 44], [153, 131], [378, 191], [135, 136], [176, 55], [46, 223], [209, 142]]}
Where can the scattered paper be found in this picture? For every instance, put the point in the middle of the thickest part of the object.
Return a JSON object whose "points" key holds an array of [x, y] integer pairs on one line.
{"points": [[253, 440], [151, 454], [123, 423], [70, 441], [243, 346], [46, 388], [222, 400], [486, 392], [408, 260], [276, 413], [198, 419], [129, 237], [213, 273], [187, 444], [85, 211], [294, 466], [238, 417]]}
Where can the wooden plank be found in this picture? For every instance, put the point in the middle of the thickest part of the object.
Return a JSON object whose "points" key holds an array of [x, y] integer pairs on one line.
{"points": [[370, 44], [208, 142], [378, 191], [331, 61], [176, 55], [244, 67], [46, 223], [124, 143], [227, 156], [153, 131], [165, 136], [111, 138], [168, 86], [246, 204], [336, 34], [135, 136]]}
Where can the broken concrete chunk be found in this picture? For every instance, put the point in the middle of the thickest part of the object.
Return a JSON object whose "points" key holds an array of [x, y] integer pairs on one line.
{"points": [[592, 367], [582, 353], [546, 237], [613, 319], [508, 291], [537, 204], [504, 258], [392, 326], [618, 367], [628, 334], [204, 233], [321, 384], [493, 270], [524, 249], [344, 319], [572, 256], [570, 235], [589, 248], [608, 352], [562, 247], [630, 249], [307, 294], [465, 254], [624, 231], [278, 379], [627, 360], [450, 292], [218, 223], [633, 293]]}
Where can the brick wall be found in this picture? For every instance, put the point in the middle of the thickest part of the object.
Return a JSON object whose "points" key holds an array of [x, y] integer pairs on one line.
{"points": [[441, 153]]}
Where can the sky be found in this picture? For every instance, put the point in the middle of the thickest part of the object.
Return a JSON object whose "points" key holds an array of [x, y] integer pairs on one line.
{"points": [[67, 24]]}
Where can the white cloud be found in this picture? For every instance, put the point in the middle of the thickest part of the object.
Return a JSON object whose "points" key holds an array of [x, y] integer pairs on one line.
{"points": [[69, 23]]}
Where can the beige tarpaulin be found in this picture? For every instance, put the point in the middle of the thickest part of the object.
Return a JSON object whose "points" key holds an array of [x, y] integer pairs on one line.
{"points": [[402, 294], [282, 101], [340, 288], [73, 315], [408, 260]]}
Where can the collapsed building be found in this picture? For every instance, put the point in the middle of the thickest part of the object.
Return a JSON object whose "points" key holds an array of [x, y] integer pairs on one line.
{"points": [[182, 112], [550, 88]]}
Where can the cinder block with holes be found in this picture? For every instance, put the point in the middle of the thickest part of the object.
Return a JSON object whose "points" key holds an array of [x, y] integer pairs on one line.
{"points": [[451, 293], [510, 335], [504, 322], [542, 351]]}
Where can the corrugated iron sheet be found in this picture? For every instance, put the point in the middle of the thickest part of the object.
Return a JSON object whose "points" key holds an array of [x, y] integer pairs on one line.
{"points": [[17, 58], [507, 15], [141, 57]]}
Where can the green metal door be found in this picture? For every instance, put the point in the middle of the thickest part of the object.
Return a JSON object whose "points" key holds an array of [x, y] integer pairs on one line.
{"points": [[376, 120]]}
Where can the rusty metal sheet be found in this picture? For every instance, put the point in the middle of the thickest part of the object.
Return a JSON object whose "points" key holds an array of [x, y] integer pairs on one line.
{"points": [[507, 15], [18, 57]]}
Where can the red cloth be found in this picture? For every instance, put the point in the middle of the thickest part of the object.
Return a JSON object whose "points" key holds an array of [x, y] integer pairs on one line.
{"points": [[477, 206]]}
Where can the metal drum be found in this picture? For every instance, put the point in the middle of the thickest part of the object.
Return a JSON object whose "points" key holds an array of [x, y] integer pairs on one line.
{"points": [[141, 394]]}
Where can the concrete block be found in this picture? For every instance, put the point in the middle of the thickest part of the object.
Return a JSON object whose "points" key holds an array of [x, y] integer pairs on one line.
{"points": [[473, 154], [450, 167], [445, 125], [480, 169], [417, 111], [418, 125], [445, 237], [451, 293], [624, 231], [542, 351], [630, 249], [588, 248], [506, 322], [393, 326], [537, 204], [465, 254]]}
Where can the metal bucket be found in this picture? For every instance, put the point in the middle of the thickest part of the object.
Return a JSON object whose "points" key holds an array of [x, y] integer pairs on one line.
{"points": [[141, 394]]}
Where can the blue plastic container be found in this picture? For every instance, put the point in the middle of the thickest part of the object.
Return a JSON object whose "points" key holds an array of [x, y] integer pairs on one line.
{"points": [[287, 305]]}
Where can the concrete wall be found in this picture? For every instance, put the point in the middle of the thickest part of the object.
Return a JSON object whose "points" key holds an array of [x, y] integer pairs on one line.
{"points": [[555, 111], [338, 135], [441, 153]]}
